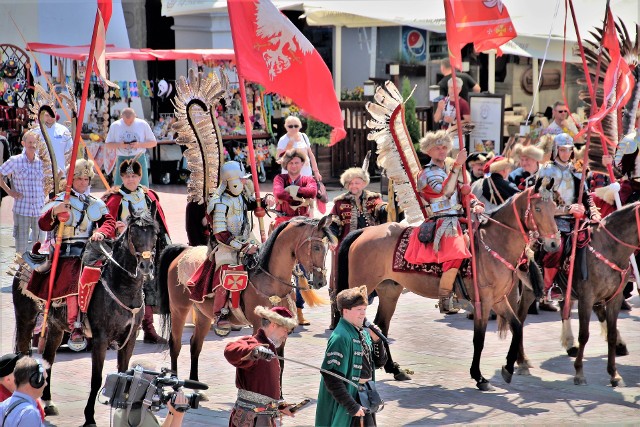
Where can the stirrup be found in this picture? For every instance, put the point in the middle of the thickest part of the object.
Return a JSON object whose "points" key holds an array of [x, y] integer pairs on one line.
{"points": [[222, 327], [77, 345], [554, 294], [448, 305]]}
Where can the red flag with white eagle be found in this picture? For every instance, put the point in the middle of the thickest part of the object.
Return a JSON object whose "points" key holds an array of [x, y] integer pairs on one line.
{"points": [[271, 51], [485, 23], [105, 8]]}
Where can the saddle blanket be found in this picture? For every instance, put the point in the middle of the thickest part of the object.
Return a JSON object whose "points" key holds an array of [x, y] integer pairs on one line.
{"points": [[400, 265], [202, 284]]}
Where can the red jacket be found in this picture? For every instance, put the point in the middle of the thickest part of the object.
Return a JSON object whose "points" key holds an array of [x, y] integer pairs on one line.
{"points": [[114, 201], [286, 204]]}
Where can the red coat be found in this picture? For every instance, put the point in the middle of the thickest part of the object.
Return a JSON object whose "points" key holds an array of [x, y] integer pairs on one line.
{"points": [[308, 190], [343, 209], [258, 376], [114, 201], [68, 269]]}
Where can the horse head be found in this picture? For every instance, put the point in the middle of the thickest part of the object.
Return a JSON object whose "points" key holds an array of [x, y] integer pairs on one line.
{"points": [[541, 209], [141, 235], [311, 252]]}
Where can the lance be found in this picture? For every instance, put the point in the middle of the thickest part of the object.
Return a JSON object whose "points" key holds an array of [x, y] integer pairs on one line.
{"points": [[72, 166]]}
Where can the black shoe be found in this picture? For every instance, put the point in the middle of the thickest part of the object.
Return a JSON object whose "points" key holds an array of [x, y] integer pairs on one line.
{"points": [[548, 306], [533, 308], [625, 305]]}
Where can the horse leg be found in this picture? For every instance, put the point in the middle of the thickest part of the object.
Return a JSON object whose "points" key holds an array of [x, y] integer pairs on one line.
{"points": [[526, 299], [54, 339], [202, 327], [613, 309], [621, 346], [585, 303], [178, 317], [479, 331], [25, 310], [388, 295], [508, 317], [98, 353], [567, 339], [125, 353]]}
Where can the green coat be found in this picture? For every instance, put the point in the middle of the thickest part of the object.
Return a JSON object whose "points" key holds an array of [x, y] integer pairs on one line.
{"points": [[344, 357]]}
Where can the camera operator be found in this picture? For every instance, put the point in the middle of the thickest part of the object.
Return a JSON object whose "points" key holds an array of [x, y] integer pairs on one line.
{"points": [[174, 417]]}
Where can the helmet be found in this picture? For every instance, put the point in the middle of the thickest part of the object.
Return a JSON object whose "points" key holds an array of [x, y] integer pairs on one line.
{"points": [[231, 175], [562, 140]]}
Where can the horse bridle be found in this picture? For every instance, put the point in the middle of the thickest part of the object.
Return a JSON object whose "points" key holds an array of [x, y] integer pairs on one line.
{"points": [[145, 255]]}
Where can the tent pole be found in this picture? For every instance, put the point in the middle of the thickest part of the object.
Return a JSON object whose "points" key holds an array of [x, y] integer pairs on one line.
{"points": [[492, 71], [373, 51], [337, 59], [536, 78]]}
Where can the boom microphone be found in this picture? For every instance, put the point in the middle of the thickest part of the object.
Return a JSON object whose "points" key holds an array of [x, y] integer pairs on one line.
{"points": [[375, 330]]}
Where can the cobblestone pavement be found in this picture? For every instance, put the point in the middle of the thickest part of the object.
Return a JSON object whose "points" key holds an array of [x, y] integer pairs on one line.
{"points": [[437, 348]]}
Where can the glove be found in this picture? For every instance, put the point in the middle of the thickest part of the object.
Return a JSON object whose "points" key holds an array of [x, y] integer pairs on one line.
{"points": [[261, 352]]}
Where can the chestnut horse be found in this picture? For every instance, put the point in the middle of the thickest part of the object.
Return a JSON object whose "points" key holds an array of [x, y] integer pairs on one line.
{"points": [[612, 242], [300, 239], [366, 258]]}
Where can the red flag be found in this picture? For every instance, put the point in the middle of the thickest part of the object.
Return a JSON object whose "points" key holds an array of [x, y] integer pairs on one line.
{"points": [[104, 16], [485, 23], [272, 52]]}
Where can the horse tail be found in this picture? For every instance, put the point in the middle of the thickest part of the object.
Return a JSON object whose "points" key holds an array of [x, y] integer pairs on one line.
{"points": [[169, 254], [343, 260]]}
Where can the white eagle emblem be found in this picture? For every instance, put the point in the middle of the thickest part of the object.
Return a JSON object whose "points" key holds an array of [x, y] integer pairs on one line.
{"points": [[280, 33]]}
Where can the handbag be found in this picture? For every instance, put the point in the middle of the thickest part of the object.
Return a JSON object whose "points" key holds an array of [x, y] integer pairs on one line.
{"points": [[427, 231], [370, 398], [322, 192]]}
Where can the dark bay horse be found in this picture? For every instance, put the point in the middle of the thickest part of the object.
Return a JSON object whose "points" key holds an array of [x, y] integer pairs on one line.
{"points": [[114, 314], [366, 258], [300, 239], [613, 241]]}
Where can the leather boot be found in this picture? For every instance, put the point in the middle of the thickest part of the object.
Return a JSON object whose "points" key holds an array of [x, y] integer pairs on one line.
{"points": [[446, 292], [219, 310], [150, 334], [335, 316], [301, 320]]}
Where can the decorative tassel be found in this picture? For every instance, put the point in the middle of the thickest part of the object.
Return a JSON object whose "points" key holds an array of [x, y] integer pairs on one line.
{"points": [[313, 298]]}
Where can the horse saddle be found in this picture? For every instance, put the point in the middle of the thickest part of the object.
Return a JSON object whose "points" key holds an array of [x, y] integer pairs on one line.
{"points": [[37, 262], [235, 279]]}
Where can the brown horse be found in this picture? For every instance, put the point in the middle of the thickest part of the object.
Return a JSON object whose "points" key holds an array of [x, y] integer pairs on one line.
{"points": [[612, 242], [300, 239], [365, 258]]}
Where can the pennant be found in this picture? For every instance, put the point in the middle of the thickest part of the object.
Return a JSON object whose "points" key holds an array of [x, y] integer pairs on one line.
{"points": [[103, 17], [485, 23], [271, 51]]}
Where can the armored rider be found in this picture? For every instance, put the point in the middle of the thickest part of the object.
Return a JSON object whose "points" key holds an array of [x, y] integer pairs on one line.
{"points": [[132, 196], [566, 184], [439, 185], [230, 229], [84, 218], [357, 208]]}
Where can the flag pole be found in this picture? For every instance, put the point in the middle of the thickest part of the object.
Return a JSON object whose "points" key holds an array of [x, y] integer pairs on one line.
{"points": [[259, 211], [72, 167]]}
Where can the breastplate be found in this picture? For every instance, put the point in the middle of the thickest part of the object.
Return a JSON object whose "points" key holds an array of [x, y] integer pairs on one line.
{"points": [[79, 225], [566, 187], [135, 200]]}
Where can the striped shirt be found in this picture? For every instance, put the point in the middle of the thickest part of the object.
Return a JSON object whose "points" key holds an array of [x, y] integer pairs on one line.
{"points": [[27, 179]]}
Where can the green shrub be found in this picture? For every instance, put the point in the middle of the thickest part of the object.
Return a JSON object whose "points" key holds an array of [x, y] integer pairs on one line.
{"points": [[410, 117], [318, 132]]}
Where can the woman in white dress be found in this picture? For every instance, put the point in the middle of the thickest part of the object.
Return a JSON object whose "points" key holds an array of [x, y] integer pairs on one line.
{"points": [[296, 139]]}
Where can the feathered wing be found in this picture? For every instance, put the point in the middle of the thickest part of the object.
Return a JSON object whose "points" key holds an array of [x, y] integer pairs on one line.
{"points": [[396, 153], [271, 23], [198, 130]]}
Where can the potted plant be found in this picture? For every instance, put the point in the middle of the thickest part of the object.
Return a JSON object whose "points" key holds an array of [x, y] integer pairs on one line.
{"points": [[318, 134]]}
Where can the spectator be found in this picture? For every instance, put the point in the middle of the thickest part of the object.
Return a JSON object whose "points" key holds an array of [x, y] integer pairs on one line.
{"points": [[21, 409], [60, 138], [7, 380], [468, 83], [446, 112], [296, 139], [131, 137], [561, 122]]}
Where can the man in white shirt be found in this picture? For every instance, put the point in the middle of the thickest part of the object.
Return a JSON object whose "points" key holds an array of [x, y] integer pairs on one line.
{"points": [[61, 140], [131, 137], [562, 123]]}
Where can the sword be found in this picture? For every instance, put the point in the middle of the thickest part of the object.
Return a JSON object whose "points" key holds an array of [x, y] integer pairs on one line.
{"points": [[308, 365]]}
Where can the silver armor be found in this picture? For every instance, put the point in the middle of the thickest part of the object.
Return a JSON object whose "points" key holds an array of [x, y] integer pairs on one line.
{"points": [[628, 145], [228, 214], [80, 226], [434, 177], [135, 200], [564, 184]]}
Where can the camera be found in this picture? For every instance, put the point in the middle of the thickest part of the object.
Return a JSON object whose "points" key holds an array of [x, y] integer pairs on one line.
{"points": [[143, 388]]}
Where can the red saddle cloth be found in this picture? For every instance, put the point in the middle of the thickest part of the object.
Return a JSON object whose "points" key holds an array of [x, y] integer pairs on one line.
{"points": [[205, 280], [400, 264], [64, 285]]}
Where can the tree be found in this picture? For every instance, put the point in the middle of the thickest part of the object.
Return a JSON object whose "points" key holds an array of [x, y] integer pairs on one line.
{"points": [[410, 117]]}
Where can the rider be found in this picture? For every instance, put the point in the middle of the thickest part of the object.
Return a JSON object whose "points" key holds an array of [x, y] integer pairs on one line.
{"points": [[357, 208], [567, 185], [439, 186], [133, 196], [230, 229], [530, 158], [88, 219], [495, 189]]}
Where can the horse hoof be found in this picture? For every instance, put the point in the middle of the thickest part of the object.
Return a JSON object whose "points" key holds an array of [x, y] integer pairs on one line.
{"points": [[51, 411], [90, 425], [580, 381], [621, 350], [617, 382], [401, 376], [506, 375], [572, 352], [484, 385], [523, 370]]}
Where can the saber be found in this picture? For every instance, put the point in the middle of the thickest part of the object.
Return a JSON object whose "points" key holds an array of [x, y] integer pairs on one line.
{"points": [[333, 374]]}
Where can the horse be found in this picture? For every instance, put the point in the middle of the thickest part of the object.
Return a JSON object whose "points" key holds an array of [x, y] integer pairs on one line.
{"points": [[300, 239], [612, 242], [366, 258], [115, 311]]}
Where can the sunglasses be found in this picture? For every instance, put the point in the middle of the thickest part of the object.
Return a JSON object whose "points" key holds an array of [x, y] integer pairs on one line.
{"points": [[293, 126], [563, 111]]}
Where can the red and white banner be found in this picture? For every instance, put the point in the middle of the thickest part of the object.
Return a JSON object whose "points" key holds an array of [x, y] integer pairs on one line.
{"points": [[485, 23], [105, 8], [271, 51]]}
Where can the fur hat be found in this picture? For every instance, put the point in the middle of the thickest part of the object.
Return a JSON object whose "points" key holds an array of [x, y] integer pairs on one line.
{"points": [[353, 297], [546, 144], [530, 151], [608, 193], [497, 164], [131, 166], [8, 363], [476, 157], [84, 168], [279, 315], [433, 139], [290, 154], [351, 173]]}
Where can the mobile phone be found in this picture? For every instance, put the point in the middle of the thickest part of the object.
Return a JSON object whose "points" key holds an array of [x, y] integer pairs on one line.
{"points": [[299, 405]]}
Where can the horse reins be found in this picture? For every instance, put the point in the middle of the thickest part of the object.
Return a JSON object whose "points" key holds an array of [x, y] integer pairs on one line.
{"points": [[133, 311]]}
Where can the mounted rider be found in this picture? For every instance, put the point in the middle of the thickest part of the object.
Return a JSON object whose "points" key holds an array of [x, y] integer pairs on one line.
{"points": [[88, 220], [294, 192], [439, 185], [567, 185], [530, 157], [495, 189], [357, 208], [121, 201]]}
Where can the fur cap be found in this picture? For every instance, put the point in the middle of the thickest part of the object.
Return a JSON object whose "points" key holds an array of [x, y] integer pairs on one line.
{"points": [[290, 154], [84, 168], [351, 173], [353, 297], [433, 139], [279, 315]]}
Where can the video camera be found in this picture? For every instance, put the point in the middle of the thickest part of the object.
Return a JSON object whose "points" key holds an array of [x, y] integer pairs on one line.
{"points": [[147, 389]]}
